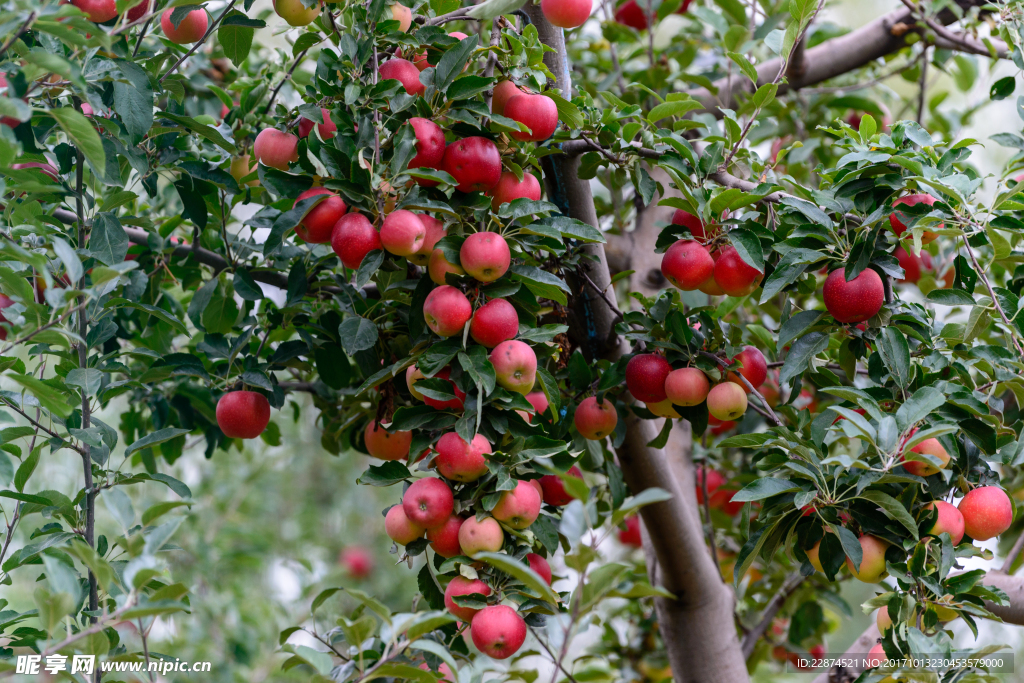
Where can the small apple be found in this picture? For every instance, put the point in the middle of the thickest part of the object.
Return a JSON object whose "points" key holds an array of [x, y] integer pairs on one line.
{"points": [[813, 557], [727, 401], [243, 414], [498, 631], [444, 539], [318, 225], [461, 461], [413, 375], [927, 447], [510, 188], [276, 149], [876, 656], [911, 265], [645, 377], [987, 512], [484, 536], [687, 265], [538, 400], [428, 502], [446, 311], [402, 233], [451, 404], [853, 301], [631, 534], [537, 112], [687, 387], [352, 238], [515, 365], [734, 275], [101, 11], [540, 565], [191, 29], [494, 322], [899, 227], [405, 72], [566, 13], [357, 561], [430, 146], [950, 520], [474, 162], [882, 619], [328, 129], [753, 367], [503, 92], [595, 421], [241, 166], [384, 445], [553, 488], [485, 256], [460, 586], [438, 266], [872, 565], [295, 13], [400, 528], [520, 507]]}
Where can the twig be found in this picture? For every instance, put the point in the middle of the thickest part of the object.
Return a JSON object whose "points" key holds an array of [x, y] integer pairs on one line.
{"points": [[492, 59], [287, 77], [611, 305], [788, 587], [24, 27], [992, 294], [47, 326], [97, 627], [958, 41], [36, 423], [142, 34], [202, 40], [451, 16], [1011, 557], [547, 648]]}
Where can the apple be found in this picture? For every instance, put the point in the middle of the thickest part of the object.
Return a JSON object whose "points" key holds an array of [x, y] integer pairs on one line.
{"points": [[474, 162], [812, 556], [241, 166], [243, 414], [634, 14], [434, 231], [276, 149], [711, 286], [715, 480], [949, 520], [494, 322], [701, 233], [444, 670], [191, 29], [911, 265], [687, 265], [722, 500], [853, 301], [987, 512], [456, 403], [328, 129], [510, 188], [899, 227], [645, 377], [6, 301], [446, 311], [882, 619], [430, 145], [384, 445], [515, 365], [428, 502], [872, 565], [100, 11], [498, 631], [566, 13], [484, 536], [357, 561], [139, 11], [631, 534], [687, 387], [403, 15], [734, 275], [595, 421], [928, 447], [540, 565], [400, 528], [553, 488], [537, 112], [503, 92], [403, 71], [663, 409], [753, 367], [520, 507], [295, 13], [444, 539], [538, 400], [413, 375], [461, 461], [876, 656], [402, 233], [318, 225], [352, 238], [460, 586], [485, 256], [438, 266], [727, 401]]}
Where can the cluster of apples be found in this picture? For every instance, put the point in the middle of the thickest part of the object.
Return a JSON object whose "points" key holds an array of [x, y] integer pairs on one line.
{"points": [[696, 264]]}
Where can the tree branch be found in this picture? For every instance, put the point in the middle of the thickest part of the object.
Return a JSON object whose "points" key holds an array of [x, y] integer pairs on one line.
{"points": [[789, 586]]}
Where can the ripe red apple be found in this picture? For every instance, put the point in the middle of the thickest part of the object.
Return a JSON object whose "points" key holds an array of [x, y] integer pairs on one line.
{"points": [[950, 520], [403, 15], [400, 528], [444, 539], [100, 11], [754, 368], [430, 145], [191, 29], [503, 92], [538, 400], [295, 13], [911, 265], [474, 162], [520, 507], [357, 561], [566, 13], [498, 631], [876, 656], [540, 565], [882, 619], [494, 322], [727, 401], [484, 536], [899, 227], [509, 188], [447, 310], [698, 230], [139, 11], [402, 233], [553, 488], [403, 71], [328, 129], [276, 149], [428, 503], [855, 301], [243, 414], [630, 14], [595, 421], [456, 403], [515, 365], [384, 445], [687, 387], [438, 266], [872, 565], [928, 447], [434, 232], [461, 461], [537, 112], [241, 166], [711, 286], [485, 256], [460, 586], [734, 275], [715, 480], [987, 512], [631, 534], [645, 377], [318, 225], [6, 301], [687, 265], [352, 238]]}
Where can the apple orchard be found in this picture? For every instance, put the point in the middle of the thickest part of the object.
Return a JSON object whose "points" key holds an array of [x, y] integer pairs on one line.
{"points": [[742, 296]]}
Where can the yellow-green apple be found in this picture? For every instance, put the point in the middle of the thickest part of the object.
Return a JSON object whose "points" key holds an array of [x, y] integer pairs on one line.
{"points": [[631, 534], [384, 445], [295, 13], [438, 266], [663, 409], [328, 129], [243, 414], [753, 366], [593, 420], [241, 166], [498, 631], [515, 365], [855, 301], [932, 447], [413, 375], [899, 227], [687, 387], [485, 256], [400, 528], [734, 275], [428, 502], [456, 403], [191, 29], [357, 561], [403, 15], [494, 322], [727, 401], [484, 536], [430, 145], [276, 149], [687, 265], [460, 586], [444, 539], [872, 565], [434, 232], [402, 233], [318, 225], [520, 507], [566, 13], [474, 162], [987, 512], [503, 92], [949, 520], [405, 72], [645, 377], [537, 112], [700, 232], [446, 311], [510, 188], [352, 238], [553, 488], [461, 461], [882, 619], [540, 565]]}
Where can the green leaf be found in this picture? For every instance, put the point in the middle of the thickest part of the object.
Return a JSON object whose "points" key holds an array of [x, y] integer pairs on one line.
{"points": [[541, 282], [236, 39], [25, 497], [489, 9], [152, 310], [452, 62], [895, 353], [200, 129], [673, 108], [923, 403], [633, 503], [133, 99], [800, 355], [748, 246], [759, 489], [108, 241], [49, 398], [120, 506], [893, 509], [568, 113], [159, 509], [81, 132], [154, 438], [25, 470], [518, 570], [357, 334]]}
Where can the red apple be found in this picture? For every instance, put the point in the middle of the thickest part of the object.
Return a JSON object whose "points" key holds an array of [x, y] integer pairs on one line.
{"points": [[405, 72], [139, 11], [722, 500], [711, 286], [461, 461], [503, 92], [631, 534], [447, 310], [872, 565], [987, 512], [484, 536], [402, 233], [753, 367], [566, 13], [428, 503], [734, 275], [357, 561], [100, 11], [537, 112], [191, 29], [400, 528], [384, 445], [485, 256], [553, 488], [520, 507], [899, 227], [630, 14], [855, 301], [510, 188], [276, 149], [328, 129], [6, 301], [687, 387], [352, 238], [715, 480], [460, 586], [727, 401], [950, 520], [430, 145], [498, 631], [515, 366], [595, 421], [451, 404], [494, 322], [540, 565], [474, 162], [243, 414], [295, 13], [438, 266], [687, 265], [911, 265], [928, 447], [318, 225], [698, 230], [876, 656], [434, 231], [538, 400], [645, 377], [444, 539]]}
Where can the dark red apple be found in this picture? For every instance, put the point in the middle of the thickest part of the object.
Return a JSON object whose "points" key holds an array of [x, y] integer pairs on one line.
{"points": [[430, 146], [734, 275], [405, 72], [645, 377], [899, 227], [494, 322], [754, 368], [318, 225], [243, 414], [352, 238], [554, 488], [854, 301], [474, 162], [687, 265]]}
